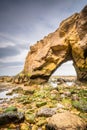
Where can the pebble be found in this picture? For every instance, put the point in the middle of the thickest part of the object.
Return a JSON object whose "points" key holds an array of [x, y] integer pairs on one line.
{"points": [[47, 112]]}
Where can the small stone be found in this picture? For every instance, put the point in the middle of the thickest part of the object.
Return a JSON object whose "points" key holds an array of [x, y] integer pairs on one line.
{"points": [[47, 112], [41, 122], [60, 106], [35, 127], [29, 111], [39, 104], [30, 118], [9, 93], [26, 83], [16, 81], [18, 90], [27, 92], [62, 95], [26, 101], [54, 92], [12, 126], [67, 93], [20, 81], [11, 108], [61, 91], [67, 103], [1, 110], [24, 126], [43, 127], [75, 97], [50, 105], [53, 96]]}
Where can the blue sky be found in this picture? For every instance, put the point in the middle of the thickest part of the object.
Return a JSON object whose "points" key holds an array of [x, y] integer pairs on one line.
{"points": [[24, 22]]}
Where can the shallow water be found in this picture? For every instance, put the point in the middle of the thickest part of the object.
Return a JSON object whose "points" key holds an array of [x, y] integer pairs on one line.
{"points": [[53, 84], [5, 97], [69, 83]]}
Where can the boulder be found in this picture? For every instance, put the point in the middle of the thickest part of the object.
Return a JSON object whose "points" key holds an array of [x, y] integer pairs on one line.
{"points": [[68, 42], [65, 121], [11, 117]]}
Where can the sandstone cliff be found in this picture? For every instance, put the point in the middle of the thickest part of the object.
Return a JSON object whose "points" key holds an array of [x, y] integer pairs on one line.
{"points": [[68, 42]]}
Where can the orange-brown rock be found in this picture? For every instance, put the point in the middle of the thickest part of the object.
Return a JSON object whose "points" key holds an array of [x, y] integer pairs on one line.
{"points": [[68, 42], [65, 121]]}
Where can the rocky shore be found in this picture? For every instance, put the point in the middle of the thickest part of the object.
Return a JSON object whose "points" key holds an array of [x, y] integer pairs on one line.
{"points": [[51, 106], [32, 100]]}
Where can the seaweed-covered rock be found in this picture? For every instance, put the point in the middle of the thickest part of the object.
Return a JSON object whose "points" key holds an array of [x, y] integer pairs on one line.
{"points": [[41, 103], [10, 117], [30, 118], [41, 121], [11, 109], [80, 105]]}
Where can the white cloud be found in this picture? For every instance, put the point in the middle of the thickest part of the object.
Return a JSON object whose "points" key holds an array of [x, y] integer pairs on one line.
{"points": [[6, 44]]}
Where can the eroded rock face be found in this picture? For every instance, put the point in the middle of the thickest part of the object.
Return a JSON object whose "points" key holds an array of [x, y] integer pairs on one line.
{"points": [[68, 42]]}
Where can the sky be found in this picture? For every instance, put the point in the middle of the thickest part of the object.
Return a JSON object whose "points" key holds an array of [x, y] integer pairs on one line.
{"points": [[24, 22]]}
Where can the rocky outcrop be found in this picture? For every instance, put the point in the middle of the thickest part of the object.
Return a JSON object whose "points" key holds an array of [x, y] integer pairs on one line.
{"points": [[65, 121], [68, 42]]}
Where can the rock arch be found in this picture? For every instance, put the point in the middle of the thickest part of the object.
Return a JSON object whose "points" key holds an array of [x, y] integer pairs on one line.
{"points": [[68, 42], [66, 69]]}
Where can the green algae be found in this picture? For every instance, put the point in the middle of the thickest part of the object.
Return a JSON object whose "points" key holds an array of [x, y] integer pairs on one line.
{"points": [[80, 105], [11, 109]]}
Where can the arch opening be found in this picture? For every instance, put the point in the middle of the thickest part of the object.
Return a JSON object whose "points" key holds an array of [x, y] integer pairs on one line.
{"points": [[66, 69]]}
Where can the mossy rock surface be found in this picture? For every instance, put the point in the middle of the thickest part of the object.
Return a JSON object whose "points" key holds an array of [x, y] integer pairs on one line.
{"points": [[84, 116], [30, 111], [27, 92], [83, 93], [40, 104], [30, 118], [11, 109], [80, 105], [41, 121]]}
